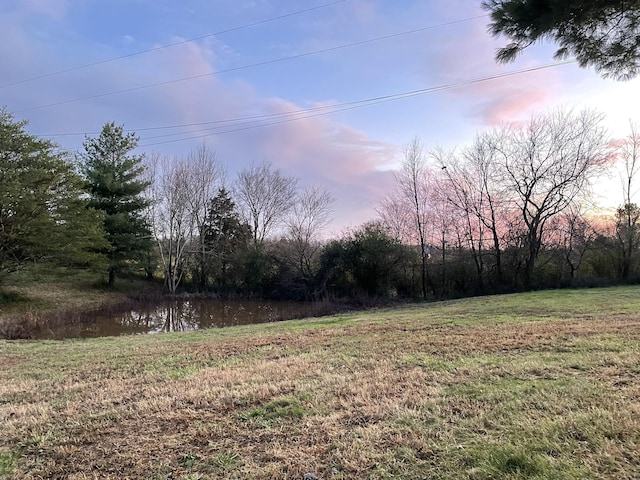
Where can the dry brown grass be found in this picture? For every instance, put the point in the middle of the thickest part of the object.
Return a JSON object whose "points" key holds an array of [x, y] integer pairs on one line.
{"points": [[480, 389]]}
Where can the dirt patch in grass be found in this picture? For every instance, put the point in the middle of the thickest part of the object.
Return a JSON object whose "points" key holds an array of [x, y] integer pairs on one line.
{"points": [[405, 393]]}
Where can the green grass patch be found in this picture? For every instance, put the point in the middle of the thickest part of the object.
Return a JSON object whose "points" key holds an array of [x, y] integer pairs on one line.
{"points": [[489, 462], [187, 460], [276, 410], [225, 462], [7, 461]]}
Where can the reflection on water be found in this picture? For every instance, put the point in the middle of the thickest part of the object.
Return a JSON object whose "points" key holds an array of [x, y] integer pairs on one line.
{"points": [[177, 315]]}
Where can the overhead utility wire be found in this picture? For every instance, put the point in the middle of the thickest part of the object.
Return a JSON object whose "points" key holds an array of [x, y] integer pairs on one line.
{"points": [[169, 45], [242, 67], [211, 122], [323, 110], [369, 102]]}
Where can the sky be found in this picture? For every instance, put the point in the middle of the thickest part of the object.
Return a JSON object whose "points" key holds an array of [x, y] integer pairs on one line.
{"points": [[326, 91]]}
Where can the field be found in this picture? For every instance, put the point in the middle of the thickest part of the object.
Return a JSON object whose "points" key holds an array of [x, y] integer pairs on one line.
{"points": [[539, 385]]}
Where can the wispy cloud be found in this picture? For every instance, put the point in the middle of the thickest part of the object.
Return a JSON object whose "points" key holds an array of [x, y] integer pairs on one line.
{"points": [[501, 99]]}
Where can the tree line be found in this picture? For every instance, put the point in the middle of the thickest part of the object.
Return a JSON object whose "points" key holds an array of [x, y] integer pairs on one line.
{"points": [[177, 219], [510, 211], [514, 209]]}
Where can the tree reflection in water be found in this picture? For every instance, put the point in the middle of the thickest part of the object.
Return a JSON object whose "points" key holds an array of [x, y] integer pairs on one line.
{"points": [[176, 315]]}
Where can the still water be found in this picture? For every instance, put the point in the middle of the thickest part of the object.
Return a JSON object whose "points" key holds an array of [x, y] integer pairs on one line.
{"points": [[174, 315]]}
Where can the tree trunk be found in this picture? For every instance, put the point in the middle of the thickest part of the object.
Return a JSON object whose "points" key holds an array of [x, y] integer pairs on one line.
{"points": [[444, 276], [424, 274]]}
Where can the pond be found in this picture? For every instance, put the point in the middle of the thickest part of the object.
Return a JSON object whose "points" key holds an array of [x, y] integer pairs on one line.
{"points": [[173, 315]]}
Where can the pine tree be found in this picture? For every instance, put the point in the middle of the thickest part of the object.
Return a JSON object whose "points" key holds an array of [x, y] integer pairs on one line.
{"points": [[43, 209], [224, 236], [115, 184], [604, 34]]}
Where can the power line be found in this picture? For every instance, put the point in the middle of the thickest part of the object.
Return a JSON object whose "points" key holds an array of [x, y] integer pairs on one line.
{"points": [[367, 102], [211, 122], [257, 121], [266, 62], [169, 45]]}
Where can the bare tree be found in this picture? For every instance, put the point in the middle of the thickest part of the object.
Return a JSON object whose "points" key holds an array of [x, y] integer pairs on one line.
{"points": [[490, 206], [573, 233], [629, 154], [444, 223], [396, 216], [265, 196], [174, 225], [472, 183], [205, 177], [628, 215], [413, 187], [309, 215], [459, 188], [628, 236], [547, 164]]}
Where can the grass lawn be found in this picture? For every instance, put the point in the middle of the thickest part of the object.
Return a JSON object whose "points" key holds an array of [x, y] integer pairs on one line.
{"points": [[537, 385]]}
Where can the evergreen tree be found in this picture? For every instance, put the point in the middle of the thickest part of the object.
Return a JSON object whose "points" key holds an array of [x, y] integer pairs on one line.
{"points": [[604, 34], [43, 209], [115, 185], [225, 235]]}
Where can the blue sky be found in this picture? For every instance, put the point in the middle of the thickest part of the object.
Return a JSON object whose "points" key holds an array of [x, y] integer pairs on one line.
{"points": [[350, 152]]}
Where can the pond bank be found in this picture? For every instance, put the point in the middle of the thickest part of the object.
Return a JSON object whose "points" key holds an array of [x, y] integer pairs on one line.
{"points": [[68, 312], [38, 300]]}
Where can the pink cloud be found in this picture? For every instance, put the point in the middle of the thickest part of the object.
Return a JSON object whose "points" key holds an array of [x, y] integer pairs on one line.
{"points": [[508, 99], [496, 100], [315, 148], [321, 152], [319, 145]]}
